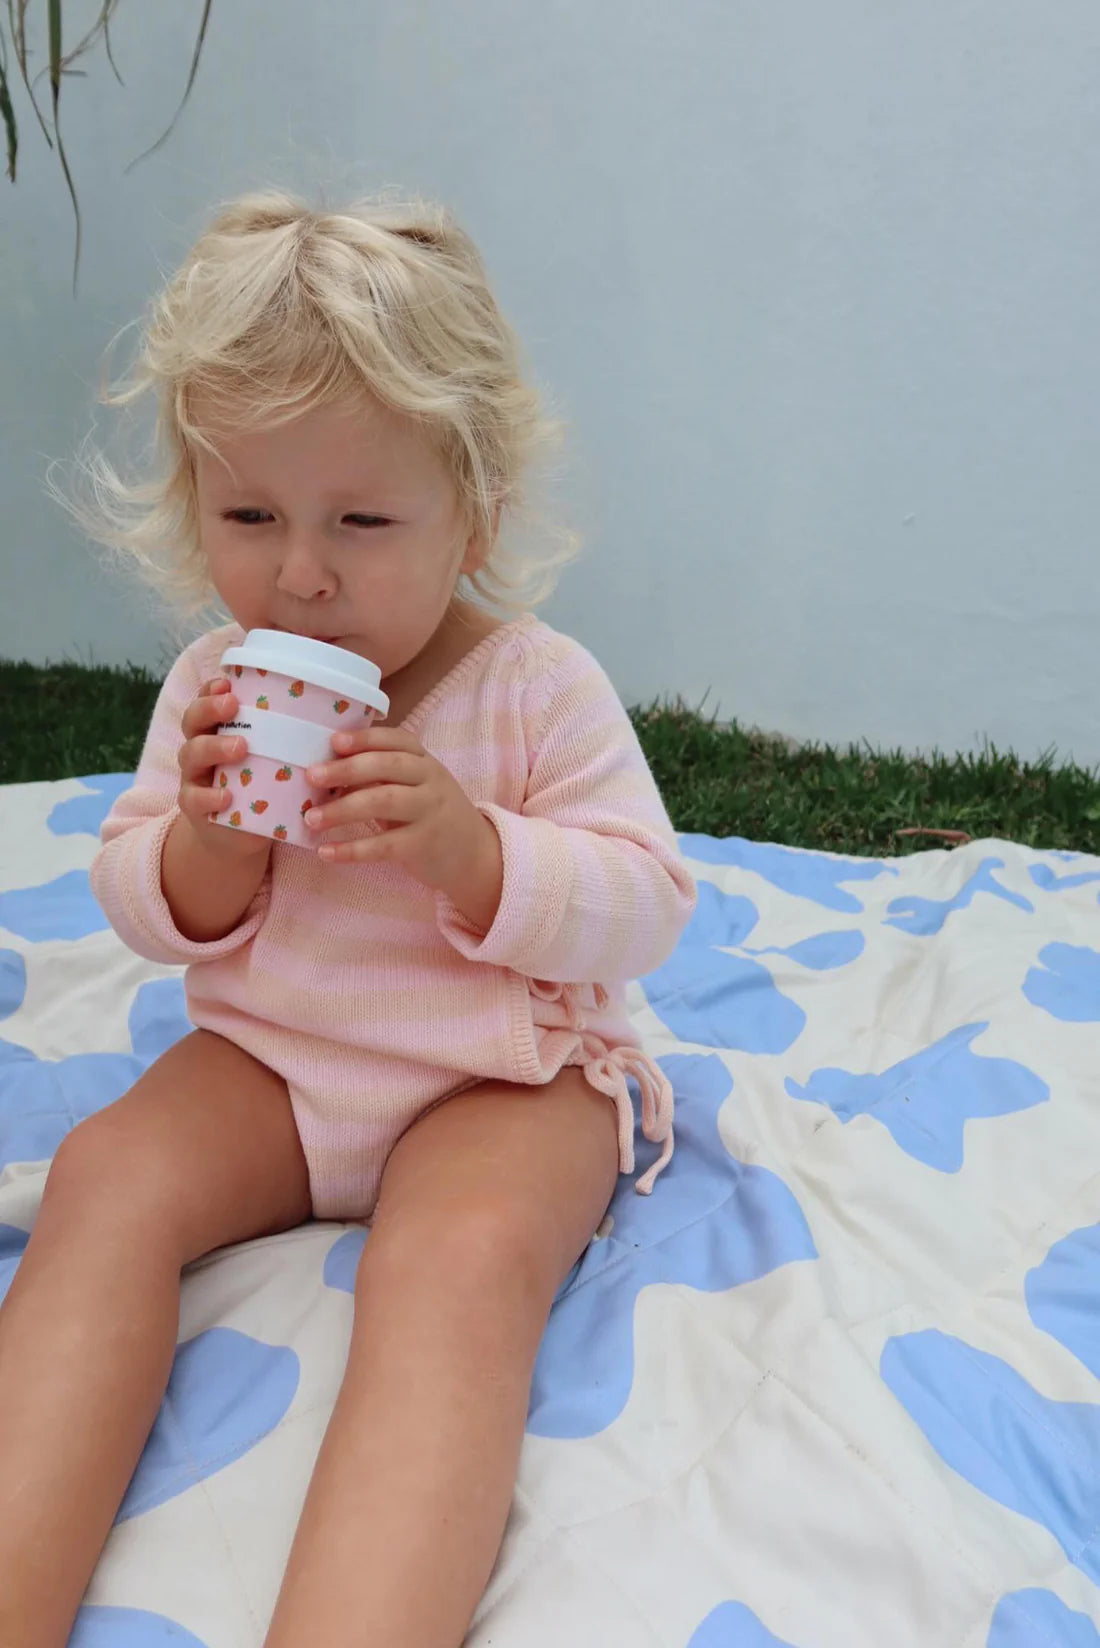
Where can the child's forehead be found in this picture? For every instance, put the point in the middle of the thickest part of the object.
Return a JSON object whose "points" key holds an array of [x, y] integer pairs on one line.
{"points": [[369, 442]]}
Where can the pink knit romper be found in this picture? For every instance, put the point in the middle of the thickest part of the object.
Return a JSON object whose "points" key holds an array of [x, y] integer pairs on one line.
{"points": [[373, 996]]}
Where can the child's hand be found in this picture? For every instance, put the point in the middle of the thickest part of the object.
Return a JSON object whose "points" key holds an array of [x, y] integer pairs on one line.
{"points": [[430, 825], [198, 757]]}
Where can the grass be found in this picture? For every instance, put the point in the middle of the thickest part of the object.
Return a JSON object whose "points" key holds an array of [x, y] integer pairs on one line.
{"points": [[65, 720], [725, 781]]}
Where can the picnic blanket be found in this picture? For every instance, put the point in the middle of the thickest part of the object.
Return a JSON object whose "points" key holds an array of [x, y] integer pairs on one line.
{"points": [[833, 1385]]}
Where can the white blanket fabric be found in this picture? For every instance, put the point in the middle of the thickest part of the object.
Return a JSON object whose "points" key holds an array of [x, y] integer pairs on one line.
{"points": [[834, 1385]]}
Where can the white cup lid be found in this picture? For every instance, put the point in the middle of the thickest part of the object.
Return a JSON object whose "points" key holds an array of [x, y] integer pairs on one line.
{"points": [[318, 662]]}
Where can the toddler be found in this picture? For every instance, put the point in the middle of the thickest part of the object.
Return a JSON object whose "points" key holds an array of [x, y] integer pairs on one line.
{"points": [[420, 1023]]}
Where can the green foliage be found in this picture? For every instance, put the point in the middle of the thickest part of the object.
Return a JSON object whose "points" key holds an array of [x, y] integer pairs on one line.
{"points": [[724, 780], [17, 57], [63, 720]]}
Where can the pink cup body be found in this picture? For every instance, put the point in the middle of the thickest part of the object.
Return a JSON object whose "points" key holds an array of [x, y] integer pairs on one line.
{"points": [[271, 796]]}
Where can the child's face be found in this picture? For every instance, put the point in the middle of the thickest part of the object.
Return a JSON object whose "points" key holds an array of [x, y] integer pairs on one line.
{"points": [[342, 524]]}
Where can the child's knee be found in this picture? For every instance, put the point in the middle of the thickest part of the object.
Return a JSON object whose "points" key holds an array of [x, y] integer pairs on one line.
{"points": [[105, 1168], [493, 1241]]}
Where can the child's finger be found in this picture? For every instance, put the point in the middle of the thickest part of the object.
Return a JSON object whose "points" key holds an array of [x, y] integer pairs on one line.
{"points": [[212, 694], [205, 714], [202, 754], [199, 801], [364, 850], [376, 738], [207, 711], [369, 767], [387, 803]]}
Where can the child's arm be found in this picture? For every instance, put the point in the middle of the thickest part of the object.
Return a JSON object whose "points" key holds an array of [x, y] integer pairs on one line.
{"points": [[594, 887], [206, 891], [169, 895]]}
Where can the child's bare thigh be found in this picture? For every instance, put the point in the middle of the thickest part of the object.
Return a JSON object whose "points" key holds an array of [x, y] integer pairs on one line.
{"points": [[202, 1149]]}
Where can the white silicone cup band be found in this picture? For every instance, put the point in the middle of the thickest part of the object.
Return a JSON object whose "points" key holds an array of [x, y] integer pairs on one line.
{"points": [[282, 737]]}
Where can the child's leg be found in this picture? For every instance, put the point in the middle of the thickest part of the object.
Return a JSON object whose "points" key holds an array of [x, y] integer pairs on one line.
{"points": [[486, 1203], [202, 1152]]}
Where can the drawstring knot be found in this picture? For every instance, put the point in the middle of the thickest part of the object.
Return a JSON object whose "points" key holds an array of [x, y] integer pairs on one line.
{"points": [[608, 1072]]}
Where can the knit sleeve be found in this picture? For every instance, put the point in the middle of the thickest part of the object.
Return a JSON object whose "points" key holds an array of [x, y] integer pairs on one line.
{"points": [[595, 890], [125, 874]]}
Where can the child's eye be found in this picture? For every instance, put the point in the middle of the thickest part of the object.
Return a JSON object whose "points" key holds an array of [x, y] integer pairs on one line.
{"points": [[257, 517], [246, 517]]}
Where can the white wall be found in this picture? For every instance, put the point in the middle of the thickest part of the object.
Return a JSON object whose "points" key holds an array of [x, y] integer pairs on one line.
{"points": [[817, 284]]}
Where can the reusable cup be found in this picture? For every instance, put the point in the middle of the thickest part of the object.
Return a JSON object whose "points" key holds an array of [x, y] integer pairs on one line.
{"points": [[292, 693]]}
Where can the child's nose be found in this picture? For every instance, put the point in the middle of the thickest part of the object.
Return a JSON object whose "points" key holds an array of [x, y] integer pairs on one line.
{"points": [[304, 572]]}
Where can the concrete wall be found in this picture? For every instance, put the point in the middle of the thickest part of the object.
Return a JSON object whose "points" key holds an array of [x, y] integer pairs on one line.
{"points": [[818, 287]]}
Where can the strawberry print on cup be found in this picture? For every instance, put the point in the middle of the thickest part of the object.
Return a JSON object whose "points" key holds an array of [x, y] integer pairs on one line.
{"points": [[293, 694]]}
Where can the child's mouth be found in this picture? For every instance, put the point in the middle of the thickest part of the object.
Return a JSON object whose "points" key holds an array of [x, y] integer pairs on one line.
{"points": [[310, 634]]}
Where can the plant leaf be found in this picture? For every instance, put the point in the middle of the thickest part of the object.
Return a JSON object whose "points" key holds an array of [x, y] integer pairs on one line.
{"points": [[107, 10], [165, 135], [17, 21], [7, 114], [54, 11], [99, 27], [55, 92]]}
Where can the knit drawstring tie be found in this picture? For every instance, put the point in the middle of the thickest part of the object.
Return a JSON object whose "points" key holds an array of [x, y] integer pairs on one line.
{"points": [[608, 1072]]}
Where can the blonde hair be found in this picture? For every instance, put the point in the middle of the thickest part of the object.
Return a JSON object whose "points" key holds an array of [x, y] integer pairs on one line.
{"points": [[278, 308]]}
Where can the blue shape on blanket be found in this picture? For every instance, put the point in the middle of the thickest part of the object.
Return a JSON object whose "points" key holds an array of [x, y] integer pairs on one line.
{"points": [[227, 1391], [724, 921], [712, 1223], [1061, 1295], [718, 1000], [1039, 1619], [12, 1242], [821, 952], [714, 999], [1066, 984], [715, 1223], [1043, 876], [83, 814], [62, 908], [925, 1101], [816, 876], [101, 1627], [13, 982], [1038, 1457], [926, 916], [65, 907], [41, 1099], [732, 1625], [158, 1018], [342, 1260]]}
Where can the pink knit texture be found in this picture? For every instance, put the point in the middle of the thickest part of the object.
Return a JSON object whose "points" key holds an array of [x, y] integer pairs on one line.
{"points": [[371, 994]]}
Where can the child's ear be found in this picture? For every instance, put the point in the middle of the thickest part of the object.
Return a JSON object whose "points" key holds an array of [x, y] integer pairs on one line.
{"points": [[479, 547]]}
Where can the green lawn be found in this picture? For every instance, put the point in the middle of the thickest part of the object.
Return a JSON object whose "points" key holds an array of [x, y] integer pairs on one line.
{"points": [[70, 719]]}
